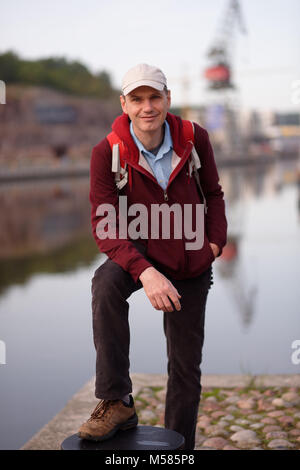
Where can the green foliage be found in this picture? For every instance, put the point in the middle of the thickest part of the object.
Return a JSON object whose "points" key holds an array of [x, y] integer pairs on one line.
{"points": [[156, 389], [57, 73], [215, 392]]}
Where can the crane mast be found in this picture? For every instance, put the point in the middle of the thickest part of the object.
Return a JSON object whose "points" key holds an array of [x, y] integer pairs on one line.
{"points": [[220, 53]]}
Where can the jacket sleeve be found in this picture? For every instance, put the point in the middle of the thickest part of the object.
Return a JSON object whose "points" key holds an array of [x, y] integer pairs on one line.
{"points": [[216, 223], [103, 191]]}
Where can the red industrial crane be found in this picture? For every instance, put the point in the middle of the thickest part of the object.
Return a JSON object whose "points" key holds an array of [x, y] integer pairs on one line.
{"points": [[218, 73]]}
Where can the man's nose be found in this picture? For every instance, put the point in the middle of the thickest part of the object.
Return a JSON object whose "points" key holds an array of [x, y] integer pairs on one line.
{"points": [[148, 108]]}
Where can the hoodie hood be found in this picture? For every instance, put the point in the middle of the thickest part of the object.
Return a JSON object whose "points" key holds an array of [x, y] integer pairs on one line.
{"points": [[121, 128]]}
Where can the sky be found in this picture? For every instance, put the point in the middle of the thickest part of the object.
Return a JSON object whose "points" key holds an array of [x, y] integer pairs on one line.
{"points": [[175, 35]]}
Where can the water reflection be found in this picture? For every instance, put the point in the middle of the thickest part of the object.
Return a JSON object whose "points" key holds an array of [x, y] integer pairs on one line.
{"points": [[45, 228], [242, 187], [36, 217], [78, 253]]}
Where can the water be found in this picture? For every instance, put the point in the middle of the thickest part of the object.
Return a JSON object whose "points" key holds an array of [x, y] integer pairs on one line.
{"points": [[252, 314]]}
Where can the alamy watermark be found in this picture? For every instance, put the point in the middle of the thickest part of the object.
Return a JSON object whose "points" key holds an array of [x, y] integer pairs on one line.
{"points": [[178, 216], [2, 92], [2, 352], [295, 357]]}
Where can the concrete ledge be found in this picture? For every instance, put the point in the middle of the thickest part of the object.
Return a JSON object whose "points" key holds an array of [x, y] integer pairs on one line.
{"points": [[80, 406]]}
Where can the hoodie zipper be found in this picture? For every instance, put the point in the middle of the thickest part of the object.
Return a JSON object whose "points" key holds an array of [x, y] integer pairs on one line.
{"points": [[165, 191], [183, 160], [180, 165]]}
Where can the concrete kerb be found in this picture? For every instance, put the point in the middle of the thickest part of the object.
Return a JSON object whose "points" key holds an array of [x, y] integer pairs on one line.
{"points": [[80, 406]]}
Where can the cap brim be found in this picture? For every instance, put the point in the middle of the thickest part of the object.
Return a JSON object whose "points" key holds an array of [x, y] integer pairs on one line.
{"points": [[156, 85]]}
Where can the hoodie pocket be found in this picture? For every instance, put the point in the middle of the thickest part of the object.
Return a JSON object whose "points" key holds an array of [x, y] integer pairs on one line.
{"points": [[200, 260]]}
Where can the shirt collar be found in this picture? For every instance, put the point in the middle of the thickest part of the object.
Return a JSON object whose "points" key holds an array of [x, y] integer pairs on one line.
{"points": [[165, 146]]}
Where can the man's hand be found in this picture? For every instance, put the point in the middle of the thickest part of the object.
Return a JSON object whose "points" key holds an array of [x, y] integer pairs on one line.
{"points": [[215, 249], [159, 289]]}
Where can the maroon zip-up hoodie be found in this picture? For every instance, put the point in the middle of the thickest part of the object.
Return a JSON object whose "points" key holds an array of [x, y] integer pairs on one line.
{"points": [[143, 188]]}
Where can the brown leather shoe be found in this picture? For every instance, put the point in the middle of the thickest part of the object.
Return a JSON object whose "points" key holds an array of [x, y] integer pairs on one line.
{"points": [[107, 418]]}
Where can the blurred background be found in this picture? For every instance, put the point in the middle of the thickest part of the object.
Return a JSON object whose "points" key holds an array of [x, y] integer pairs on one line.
{"points": [[233, 67]]}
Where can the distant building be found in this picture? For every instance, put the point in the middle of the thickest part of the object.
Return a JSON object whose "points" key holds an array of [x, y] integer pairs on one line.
{"points": [[41, 126]]}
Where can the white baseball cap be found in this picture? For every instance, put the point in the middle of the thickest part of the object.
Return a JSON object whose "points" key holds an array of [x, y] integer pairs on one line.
{"points": [[143, 75]]}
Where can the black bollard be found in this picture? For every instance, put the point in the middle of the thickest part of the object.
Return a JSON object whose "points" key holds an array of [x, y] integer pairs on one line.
{"points": [[138, 438]]}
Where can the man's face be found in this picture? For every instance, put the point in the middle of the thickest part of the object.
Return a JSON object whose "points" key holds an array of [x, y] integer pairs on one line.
{"points": [[146, 107]]}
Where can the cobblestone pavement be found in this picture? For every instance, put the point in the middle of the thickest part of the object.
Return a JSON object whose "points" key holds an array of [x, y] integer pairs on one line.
{"points": [[235, 418]]}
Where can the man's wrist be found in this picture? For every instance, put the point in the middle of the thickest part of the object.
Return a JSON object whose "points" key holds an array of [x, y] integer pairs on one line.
{"points": [[143, 273]]}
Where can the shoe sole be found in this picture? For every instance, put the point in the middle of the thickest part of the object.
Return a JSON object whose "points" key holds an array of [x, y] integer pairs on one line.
{"points": [[130, 423]]}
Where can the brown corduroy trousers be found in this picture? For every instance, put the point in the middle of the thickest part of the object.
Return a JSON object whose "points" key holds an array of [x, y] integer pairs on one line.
{"points": [[184, 331]]}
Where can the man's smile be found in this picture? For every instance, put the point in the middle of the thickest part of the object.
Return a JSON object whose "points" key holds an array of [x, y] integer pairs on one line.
{"points": [[150, 117]]}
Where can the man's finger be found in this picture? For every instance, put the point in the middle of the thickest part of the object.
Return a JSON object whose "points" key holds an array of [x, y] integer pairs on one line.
{"points": [[168, 307], [175, 290], [154, 303], [175, 301], [160, 303]]}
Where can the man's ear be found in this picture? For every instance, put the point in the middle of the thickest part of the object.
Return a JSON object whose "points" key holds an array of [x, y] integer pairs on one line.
{"points": [[169, 99], [123, 103]]}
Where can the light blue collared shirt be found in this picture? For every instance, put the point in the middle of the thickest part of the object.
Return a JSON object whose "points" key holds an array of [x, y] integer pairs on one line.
{"points": [[161, 162]]}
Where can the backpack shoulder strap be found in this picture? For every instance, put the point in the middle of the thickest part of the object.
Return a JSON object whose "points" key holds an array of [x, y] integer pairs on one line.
{"points": [[188, 130], [118, 167], [195, 163]]}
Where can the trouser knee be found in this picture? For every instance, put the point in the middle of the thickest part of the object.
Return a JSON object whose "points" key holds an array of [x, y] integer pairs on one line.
{"points": [[110, 280]]}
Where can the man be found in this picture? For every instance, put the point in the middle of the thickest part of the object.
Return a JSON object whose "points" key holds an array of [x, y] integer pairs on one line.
{"points": [[176, 280]]}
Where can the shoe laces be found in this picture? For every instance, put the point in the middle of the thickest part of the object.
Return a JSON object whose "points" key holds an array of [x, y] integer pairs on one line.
{"points": [[102, 407]]}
